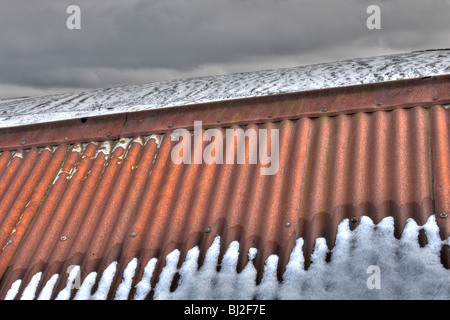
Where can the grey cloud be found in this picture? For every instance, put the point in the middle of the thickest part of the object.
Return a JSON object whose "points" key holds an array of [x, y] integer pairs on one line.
{"points": [[141, 41]]}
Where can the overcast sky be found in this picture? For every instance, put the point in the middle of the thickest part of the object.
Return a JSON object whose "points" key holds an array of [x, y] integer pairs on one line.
{"points": [[139, 41]]}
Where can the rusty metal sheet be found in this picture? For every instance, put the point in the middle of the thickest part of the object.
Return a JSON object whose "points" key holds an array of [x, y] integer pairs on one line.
{"points": [[315, 103], [106, 202], [67, 131], [23, 188], [127, 203], [440, 126]]}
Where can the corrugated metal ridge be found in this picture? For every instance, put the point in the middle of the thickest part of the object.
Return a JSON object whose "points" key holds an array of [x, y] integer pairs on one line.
{"points": [[314, 103], [113, 202]]}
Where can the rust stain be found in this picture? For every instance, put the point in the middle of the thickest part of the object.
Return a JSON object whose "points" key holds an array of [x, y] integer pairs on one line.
{"points": [[124, 199], [371, 97], [440, 132]]}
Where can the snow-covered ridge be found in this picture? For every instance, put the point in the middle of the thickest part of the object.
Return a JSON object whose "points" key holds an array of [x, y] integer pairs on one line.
{"points": [[23, 111], [407, 271]]}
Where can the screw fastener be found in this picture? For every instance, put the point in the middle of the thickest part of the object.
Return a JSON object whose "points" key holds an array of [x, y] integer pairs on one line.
{"points": [[63, 238], [443, 215], [133, 234], [324, 110], [287, 225], [208, 230]]}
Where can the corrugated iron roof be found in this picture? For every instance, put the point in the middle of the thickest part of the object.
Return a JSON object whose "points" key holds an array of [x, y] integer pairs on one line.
{"points": [[387, 95], [91, 204]]}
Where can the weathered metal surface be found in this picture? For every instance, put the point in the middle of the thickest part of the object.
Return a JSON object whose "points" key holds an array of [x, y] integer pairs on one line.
{"points": [[59, 132], [440, 132], [124, 199], [24, 183], [314, 103]]}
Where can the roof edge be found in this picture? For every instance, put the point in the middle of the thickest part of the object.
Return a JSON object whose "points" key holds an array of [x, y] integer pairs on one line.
{"points": [[389, 95]]}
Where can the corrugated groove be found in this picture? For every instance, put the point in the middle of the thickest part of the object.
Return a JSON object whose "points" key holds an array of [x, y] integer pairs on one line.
{"points": [[17, 196], [143, 165], [134, 202], [87, 177], [4, 159], [382, 151], [45, 232], [101, 211], [30, 208], [440, 127], [149, 219], [243, 206], [277, 190], [17, 180]]}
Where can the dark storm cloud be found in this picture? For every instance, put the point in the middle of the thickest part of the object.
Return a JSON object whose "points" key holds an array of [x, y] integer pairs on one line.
{"points": [[140, 41]]}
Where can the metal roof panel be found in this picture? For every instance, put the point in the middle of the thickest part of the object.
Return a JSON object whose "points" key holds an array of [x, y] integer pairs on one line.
{"points": [[104, 202]]}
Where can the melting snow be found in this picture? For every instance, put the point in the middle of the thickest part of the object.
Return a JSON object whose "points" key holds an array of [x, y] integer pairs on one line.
{"points": [[12, 292], [407, 270], [66, 292], [105, 282], [124, 289], [30, 290], [143, 288], [47, 291]]}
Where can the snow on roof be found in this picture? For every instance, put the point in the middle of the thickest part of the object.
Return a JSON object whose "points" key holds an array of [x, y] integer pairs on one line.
{"points": [[23, 111], [405, 271]]}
